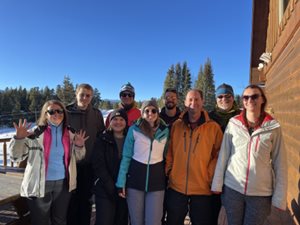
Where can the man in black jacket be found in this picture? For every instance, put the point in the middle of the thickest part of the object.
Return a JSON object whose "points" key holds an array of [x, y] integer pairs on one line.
{"points": [[82, 116]]}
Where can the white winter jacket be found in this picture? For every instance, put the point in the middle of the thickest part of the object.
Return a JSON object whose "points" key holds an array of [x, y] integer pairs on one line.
{"points": [[33, 184], [253, 165]]}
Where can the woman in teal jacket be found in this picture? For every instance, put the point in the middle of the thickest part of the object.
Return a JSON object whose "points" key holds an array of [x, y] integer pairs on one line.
{"points": [[142, 167]]}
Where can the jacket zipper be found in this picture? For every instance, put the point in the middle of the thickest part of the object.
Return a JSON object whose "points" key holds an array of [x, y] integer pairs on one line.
{"points": [[248, 166], [187, 164], [148, 165]]}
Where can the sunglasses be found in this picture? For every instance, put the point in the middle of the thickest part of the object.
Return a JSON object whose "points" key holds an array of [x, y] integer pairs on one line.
{"points": [[224, 96], [153, 111], [252, 97], [53, 111], [126, 95]]}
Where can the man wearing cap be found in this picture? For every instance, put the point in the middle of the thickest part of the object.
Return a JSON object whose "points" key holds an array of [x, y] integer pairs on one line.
{"points": [[225, 109], [127, 94], [190, 163]]}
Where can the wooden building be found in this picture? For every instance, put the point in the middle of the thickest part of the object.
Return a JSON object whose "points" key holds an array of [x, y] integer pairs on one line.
{"points": [[276, 45]]}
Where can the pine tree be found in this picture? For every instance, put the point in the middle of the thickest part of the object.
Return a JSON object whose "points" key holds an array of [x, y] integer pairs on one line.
{"points": [[206, 83], [36, 101], [169, 81], [96, 99], [177, 77], [186, 83], [66, 92], [199, 83], [209, 85], [48, 94]]}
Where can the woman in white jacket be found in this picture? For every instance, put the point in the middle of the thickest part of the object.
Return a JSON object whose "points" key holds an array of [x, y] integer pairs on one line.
{"points": [[251, 171], [51, 150]]}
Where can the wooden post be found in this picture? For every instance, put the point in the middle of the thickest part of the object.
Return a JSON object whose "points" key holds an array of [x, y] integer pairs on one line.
{"points": [[4, 154]]}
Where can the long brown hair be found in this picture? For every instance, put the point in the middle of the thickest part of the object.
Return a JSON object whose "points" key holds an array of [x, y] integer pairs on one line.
{"points": [[42, 120], [147, 129]]}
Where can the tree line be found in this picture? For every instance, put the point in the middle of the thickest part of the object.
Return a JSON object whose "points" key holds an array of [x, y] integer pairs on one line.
{"points": [[20, 102]]}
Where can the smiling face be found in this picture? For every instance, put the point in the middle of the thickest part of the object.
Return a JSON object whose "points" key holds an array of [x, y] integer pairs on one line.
{"points": [[84, 97], [55, 114], [225, 101], [150, 114], [253, 100], [194, 102], [118, 124], [170, 100], [126, 97]]}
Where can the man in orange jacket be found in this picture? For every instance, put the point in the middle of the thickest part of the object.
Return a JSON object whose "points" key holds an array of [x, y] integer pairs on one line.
{"points": [[191, 159]]}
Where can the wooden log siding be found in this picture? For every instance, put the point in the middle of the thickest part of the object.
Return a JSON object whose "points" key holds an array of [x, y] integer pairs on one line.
{"points": [[283, 92]]}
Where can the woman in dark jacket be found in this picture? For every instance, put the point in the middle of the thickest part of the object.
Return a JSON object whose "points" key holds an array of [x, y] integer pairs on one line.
{"points": [[110, 208]]}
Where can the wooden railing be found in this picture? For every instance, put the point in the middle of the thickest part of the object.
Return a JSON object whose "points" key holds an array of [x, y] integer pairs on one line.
{"points": [[4, 141]]}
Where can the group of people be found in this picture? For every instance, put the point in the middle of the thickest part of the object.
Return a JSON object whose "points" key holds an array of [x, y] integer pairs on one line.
{"points": [[149, 166]]}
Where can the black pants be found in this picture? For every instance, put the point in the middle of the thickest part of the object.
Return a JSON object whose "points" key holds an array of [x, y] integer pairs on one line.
{"points": [[52, 208], [216, 206], [111, 211], [178, 204], [80, 207]]}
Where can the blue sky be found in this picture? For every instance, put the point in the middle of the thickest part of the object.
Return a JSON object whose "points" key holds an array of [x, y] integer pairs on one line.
{"points": [[107, 43]]}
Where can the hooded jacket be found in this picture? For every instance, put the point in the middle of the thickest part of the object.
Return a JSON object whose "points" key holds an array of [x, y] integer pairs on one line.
{"points": [[37, 151], [89, 120], [106, 164], [192, 155], [142, 165], [253, 165]]}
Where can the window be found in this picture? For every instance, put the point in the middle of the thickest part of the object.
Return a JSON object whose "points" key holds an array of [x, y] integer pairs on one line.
{"points": [[282, 7]]}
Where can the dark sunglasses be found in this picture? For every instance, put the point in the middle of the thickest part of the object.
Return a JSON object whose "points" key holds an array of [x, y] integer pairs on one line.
{"points": [[126, 95], [147, 111], [224, 96], [252, 97], [53, 111]]}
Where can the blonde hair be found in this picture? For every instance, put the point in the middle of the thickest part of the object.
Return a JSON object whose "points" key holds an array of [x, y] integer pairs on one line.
{"points": [[42, 120]]}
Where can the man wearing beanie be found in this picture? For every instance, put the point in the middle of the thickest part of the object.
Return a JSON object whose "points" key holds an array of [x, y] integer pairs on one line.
{"points": [[190, 163], [226, 106], [127, 94], [225, 109]]}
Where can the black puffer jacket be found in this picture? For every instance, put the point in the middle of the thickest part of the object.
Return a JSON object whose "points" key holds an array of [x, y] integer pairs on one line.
{"points": [[106, 163]]}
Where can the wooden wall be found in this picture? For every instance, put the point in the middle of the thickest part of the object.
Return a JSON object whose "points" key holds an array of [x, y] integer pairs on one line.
{"points": [[282, 86]]}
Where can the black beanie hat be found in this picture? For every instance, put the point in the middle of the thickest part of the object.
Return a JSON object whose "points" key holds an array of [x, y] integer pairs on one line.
{"points": [[118, 112]]}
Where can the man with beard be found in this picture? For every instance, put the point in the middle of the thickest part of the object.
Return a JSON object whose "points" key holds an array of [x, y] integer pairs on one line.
{"points": [[127, 103], [170, 112]]}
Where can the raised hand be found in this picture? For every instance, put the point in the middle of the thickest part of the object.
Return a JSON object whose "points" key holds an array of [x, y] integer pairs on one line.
{"points": [[22, 129], [80, 138]]}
